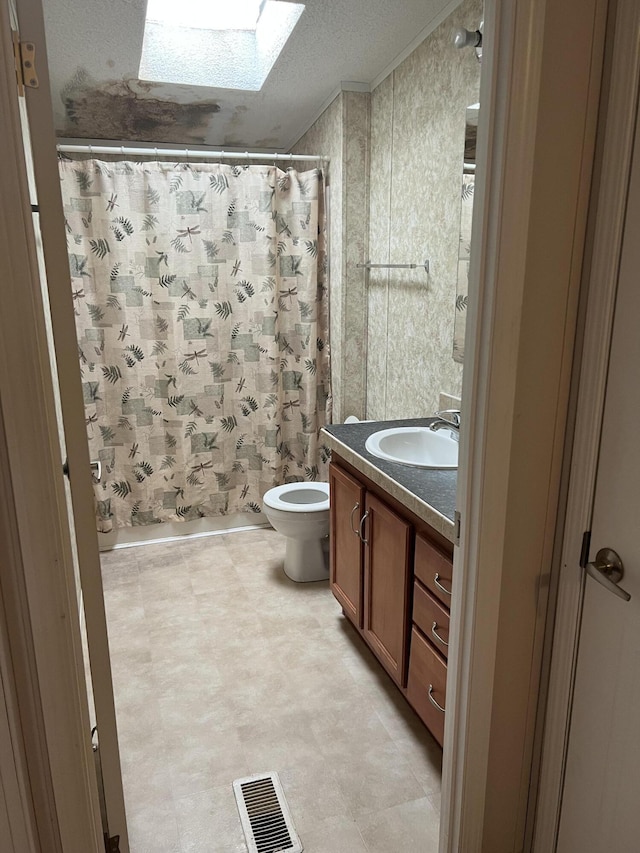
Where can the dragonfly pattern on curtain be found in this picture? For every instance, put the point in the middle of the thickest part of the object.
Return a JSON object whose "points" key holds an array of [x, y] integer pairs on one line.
{"points": [[201, 309]]}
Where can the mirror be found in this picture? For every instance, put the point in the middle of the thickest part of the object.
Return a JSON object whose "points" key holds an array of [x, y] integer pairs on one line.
{"points": [[466, 216]]}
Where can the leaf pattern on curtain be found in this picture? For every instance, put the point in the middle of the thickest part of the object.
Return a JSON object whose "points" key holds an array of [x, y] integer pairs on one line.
{"points": [[202, 317], [464, 255]]}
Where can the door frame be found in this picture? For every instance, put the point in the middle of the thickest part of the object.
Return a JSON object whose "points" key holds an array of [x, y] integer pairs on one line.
{"points": [[525, 276], [590, 378], [18, 822], [509, 487], [56, 261], [45, 690]]}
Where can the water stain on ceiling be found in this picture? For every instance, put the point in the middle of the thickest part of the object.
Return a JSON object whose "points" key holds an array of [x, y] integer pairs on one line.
{"points": [[128, 109]]}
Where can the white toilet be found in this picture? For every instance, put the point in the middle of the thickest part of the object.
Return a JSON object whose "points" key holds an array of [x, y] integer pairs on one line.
{"points": [[300, 511]]}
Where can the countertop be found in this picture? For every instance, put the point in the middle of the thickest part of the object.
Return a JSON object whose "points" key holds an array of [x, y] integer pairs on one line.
{"points": [[430, 493]]}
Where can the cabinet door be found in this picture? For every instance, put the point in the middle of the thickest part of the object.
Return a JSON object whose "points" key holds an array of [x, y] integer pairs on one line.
{"points": [[386, 586], [346, 510]]}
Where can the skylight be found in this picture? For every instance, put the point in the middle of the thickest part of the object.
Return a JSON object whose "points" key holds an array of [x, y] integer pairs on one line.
{"points": [[215, 43], [207, 14]]}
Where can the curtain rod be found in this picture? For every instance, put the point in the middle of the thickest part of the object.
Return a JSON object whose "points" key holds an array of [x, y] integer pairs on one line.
{"points": [[186, 152]]}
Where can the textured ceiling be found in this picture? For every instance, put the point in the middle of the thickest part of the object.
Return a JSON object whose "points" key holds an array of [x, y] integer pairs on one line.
{"points": [[94, 53]]}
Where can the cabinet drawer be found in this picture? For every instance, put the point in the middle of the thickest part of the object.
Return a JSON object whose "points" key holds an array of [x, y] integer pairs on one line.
{"points": [[434, 569], [426, 685], [431, 617]]}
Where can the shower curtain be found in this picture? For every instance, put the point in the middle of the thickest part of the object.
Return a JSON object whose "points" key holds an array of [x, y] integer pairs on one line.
{"points": [[202, 318]]}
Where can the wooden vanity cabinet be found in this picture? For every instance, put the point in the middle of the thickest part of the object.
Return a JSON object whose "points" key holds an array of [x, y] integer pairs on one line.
{"points": [[392, 575]]}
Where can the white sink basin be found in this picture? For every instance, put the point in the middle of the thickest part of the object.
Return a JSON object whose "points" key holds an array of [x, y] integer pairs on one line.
{"points": [[419, 447]]}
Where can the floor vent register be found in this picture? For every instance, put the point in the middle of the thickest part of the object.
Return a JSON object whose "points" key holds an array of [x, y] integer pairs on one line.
{"points": [[265, 816]]}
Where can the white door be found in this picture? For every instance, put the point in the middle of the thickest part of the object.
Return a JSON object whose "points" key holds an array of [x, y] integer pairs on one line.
{"points": [[82, 523], [601, 801]]}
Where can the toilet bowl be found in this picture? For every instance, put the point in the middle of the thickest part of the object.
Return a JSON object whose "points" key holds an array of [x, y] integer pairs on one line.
{"points": [[300, 512]]}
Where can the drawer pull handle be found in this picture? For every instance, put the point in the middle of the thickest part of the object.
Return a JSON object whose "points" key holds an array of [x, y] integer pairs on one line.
{"points": [[433, 701], [437, 636], [436, 580], [353, 530], [362, 521]]}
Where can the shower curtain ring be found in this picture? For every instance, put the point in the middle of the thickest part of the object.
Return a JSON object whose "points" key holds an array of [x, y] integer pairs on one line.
{"points": [[221, 157], [186, 153]]}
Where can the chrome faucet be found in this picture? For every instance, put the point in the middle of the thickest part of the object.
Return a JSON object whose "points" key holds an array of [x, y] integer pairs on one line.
{"points": [[445, 423]]}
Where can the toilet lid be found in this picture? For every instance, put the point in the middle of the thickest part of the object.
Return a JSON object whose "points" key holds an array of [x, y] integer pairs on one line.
{"points": [[299, 497]]}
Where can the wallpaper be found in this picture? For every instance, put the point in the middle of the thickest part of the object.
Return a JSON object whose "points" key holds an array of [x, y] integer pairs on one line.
{"points": [[343, 133], [395, 178], [325, 137], [355, 250], [417, 149]]}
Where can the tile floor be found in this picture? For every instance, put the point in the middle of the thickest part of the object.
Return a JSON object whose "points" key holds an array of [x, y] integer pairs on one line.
{"points": [[223, 668]]}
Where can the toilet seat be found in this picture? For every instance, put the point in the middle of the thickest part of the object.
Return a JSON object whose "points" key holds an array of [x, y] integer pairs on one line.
{"points": [[299, 497]]}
